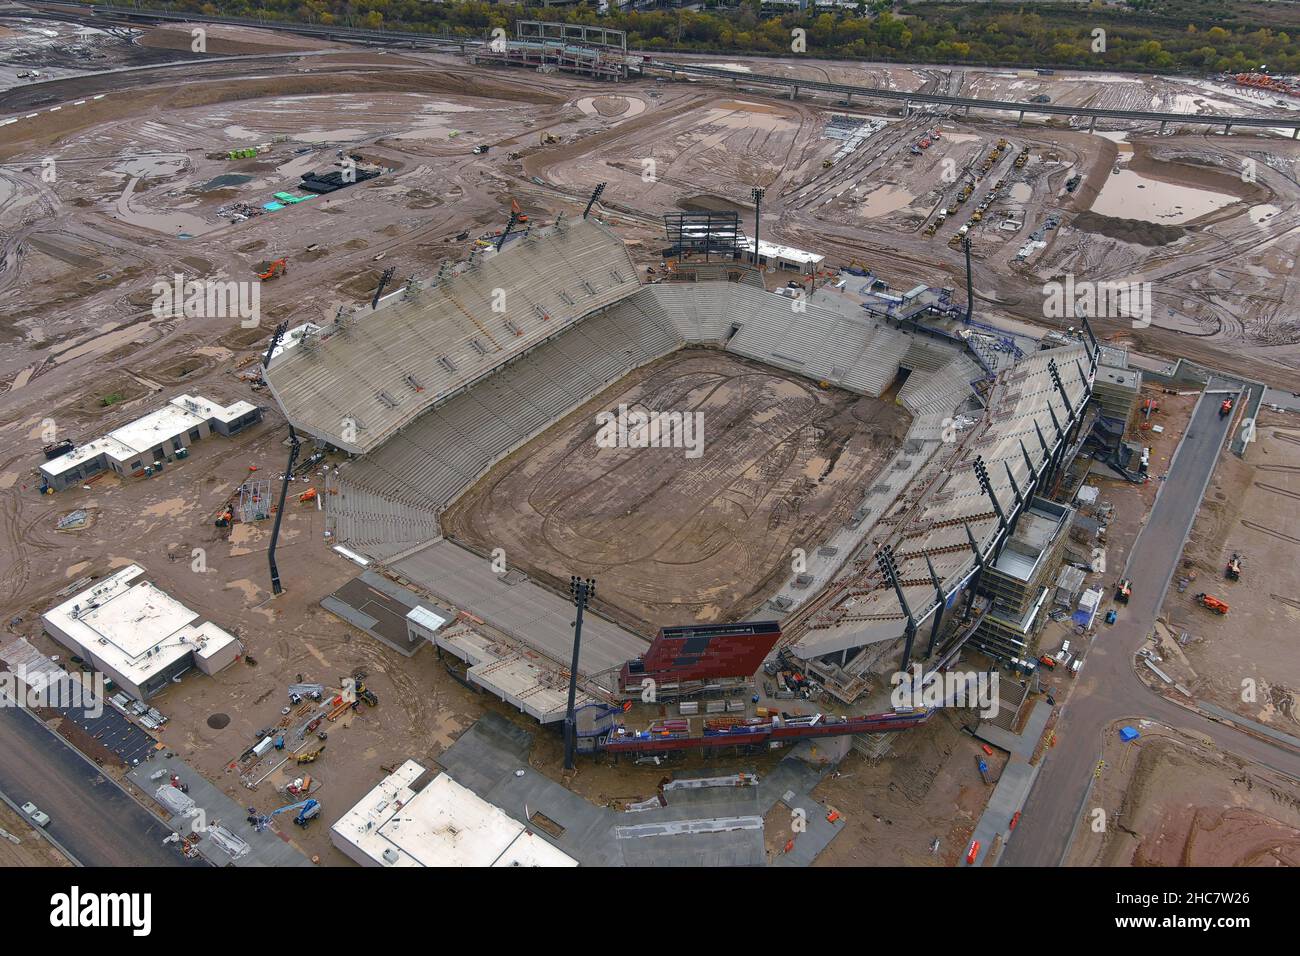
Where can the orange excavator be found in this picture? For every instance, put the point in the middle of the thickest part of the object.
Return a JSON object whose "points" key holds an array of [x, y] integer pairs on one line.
{"points": [[272, 269], [519, 213], [1211, 603]]}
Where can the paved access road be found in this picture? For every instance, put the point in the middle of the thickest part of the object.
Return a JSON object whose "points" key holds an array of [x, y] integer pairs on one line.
{"points": [[1107, 688], [90, 815]]}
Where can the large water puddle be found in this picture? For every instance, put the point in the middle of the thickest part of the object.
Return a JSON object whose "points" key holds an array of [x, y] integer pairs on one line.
{"points": [[884, 200], [172, 223], [1263, 213], [1130, 195]]}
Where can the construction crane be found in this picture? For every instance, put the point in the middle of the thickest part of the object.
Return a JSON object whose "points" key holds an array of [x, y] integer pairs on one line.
{"points": [[294, 444], [308, 810]]}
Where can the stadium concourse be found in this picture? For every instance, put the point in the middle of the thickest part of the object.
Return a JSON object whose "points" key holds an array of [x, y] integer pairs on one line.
{"points": [[439, 381]]}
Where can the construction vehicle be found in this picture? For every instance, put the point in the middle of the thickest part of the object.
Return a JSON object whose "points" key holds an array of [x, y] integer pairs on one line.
{"points": [[479, 150], [517, 212], [308, 810], [1225, 408], [1211, 603], [310, 757], [272, 270], [827, 163], [549, 139], [1233, 571], [308, 495], [1124, 590]]}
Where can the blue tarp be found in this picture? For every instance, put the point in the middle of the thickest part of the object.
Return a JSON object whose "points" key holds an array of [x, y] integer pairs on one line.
{"points": [[1127, 734], [272, 206]]}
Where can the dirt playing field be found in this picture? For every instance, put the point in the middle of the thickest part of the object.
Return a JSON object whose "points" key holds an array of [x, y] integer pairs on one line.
{"points": [[674, 538], [1168, 800]]}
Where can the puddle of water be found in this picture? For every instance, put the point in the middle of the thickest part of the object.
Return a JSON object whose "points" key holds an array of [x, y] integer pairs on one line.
{"points": [[171, 223], [329, 135], [1128, 195], [886, 199], [143, 167], [295, 167], [1262, 213]]}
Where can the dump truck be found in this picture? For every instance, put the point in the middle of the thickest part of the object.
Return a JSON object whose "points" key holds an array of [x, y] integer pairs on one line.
{"points": [[1233, 571], [1211, 603]]}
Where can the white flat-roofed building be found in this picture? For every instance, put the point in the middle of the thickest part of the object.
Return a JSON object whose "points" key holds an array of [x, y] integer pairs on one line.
{"points": [[783, 257], [138, 635], [444, 824], [162, 435]]}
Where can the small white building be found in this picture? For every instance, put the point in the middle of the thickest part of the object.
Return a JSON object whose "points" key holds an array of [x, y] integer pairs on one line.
{"points": [[137, 635], [782, 257], [163, 435], [444, 824]]}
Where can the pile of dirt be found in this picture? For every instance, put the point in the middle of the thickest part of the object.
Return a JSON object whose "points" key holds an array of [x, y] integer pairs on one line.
{"points": [[1129, 230]]}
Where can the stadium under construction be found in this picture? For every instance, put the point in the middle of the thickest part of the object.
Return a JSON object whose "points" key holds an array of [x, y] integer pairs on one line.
{"points": [[949, 544]]}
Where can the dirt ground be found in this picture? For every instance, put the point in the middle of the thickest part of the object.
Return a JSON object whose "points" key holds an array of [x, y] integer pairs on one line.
{"points": [[1244, 661], [673, 538], [134, 199], [1171, 801], [928, 788]]}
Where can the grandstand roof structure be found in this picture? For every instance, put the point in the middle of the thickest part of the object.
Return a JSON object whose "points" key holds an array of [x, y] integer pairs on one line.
{"points": [[1027, 426], [368, 374]]}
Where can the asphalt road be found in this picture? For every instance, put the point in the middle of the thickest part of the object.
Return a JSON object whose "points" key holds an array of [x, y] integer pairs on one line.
{"points": [[90, 815], [1108, 689]]}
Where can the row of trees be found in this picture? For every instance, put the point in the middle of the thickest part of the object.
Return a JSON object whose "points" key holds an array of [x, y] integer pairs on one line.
{"points": [[983, 34]]}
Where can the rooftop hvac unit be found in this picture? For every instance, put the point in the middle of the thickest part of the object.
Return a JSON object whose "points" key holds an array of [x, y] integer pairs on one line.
{"points": [[391, 856]]}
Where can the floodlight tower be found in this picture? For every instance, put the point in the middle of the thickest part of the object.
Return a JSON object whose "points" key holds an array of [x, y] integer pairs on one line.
{"points": [[757, 195], [581, 592]]}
